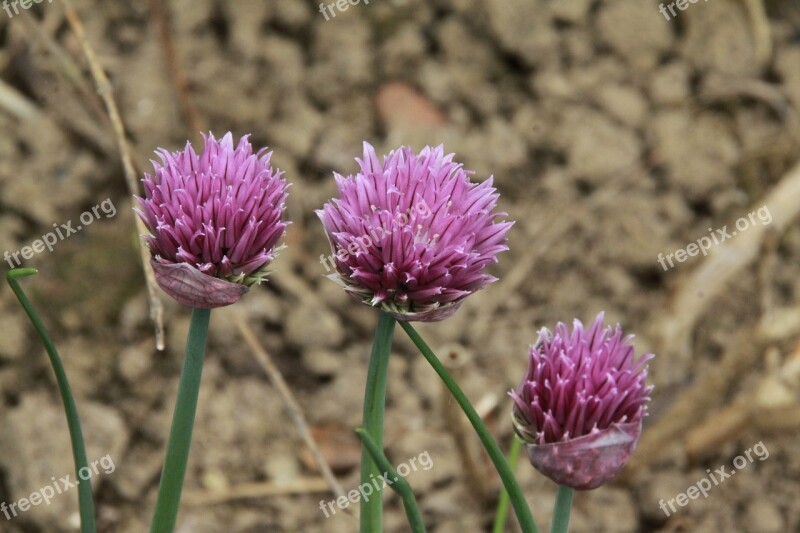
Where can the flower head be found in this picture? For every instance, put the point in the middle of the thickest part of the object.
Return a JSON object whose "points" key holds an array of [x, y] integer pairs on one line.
{"points": [[580, 405], [413, 235], [214, 220]]}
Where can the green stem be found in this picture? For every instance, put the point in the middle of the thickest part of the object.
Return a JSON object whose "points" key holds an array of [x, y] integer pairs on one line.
{"points": [[180, 436], [502, 505], [521, 509], [561, 510], [397, 483], [374, 406], [85, 497]]}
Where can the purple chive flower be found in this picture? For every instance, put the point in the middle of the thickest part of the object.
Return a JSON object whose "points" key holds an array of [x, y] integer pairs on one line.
{"points": [[214, 219], [580, 405], [412, 235]]}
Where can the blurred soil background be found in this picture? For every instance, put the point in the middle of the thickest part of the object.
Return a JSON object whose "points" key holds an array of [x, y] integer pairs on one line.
{"points": [[613, 135]]}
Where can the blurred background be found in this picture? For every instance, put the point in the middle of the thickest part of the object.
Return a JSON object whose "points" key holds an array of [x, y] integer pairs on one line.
{"points": [[615, 130]]}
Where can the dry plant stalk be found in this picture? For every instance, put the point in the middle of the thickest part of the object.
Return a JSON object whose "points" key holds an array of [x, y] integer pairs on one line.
{"points": [[248, 491], [160, 15], [699, 290], [106, 93], [773, 404], [261, 355], [17, 104], [685, 308], [762, 34], [478, 477], [698, 399], [292, 405]]}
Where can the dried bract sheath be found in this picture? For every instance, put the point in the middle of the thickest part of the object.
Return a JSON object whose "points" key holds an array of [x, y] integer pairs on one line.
{"points": [[580, 405]]}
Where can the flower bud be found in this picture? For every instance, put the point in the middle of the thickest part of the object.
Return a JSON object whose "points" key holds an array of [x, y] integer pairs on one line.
{"points": [[413, 235], [580, 406], [214, 220]]}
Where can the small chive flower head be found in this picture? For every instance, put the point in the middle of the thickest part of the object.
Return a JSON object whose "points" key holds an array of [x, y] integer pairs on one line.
{"points": [[412, 235], [580, 405], [214, 220]]}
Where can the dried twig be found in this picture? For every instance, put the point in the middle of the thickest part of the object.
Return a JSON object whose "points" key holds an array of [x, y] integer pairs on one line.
{"points": [[699, 290], [478, 478], [773, 404], [248, 491], [762, 36], [17, 104], [720, 427], [520, 273], [292, 405], [727, 88], [177, 75], [695, 401], [106, 93], [70, 69], [688, 304]]}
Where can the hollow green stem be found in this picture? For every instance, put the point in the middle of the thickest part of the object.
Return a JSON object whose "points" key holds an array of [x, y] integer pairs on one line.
{"points": [[561, 510], [180, 436], [502, 504], [521, 509], [374, 406], [396, 482], [85, 496]]}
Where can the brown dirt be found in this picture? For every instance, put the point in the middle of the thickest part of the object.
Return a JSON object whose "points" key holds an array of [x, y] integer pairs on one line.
{"points": [[613, 135]]}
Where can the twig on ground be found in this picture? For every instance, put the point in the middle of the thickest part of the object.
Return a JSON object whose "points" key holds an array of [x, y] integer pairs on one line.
{"points": [[106, 93], [17, 104], [521, 273], [70, 69], [726, 88], [292, 406], [762, 35], [674, 328], [247, 491], [74, 106], [180, 82], [478, 478], [772, 405], [695, 401]]}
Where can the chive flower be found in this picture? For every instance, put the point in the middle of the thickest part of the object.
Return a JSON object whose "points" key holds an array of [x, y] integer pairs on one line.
{"points": [[214, 220], [412, 235], [580, 406]]}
